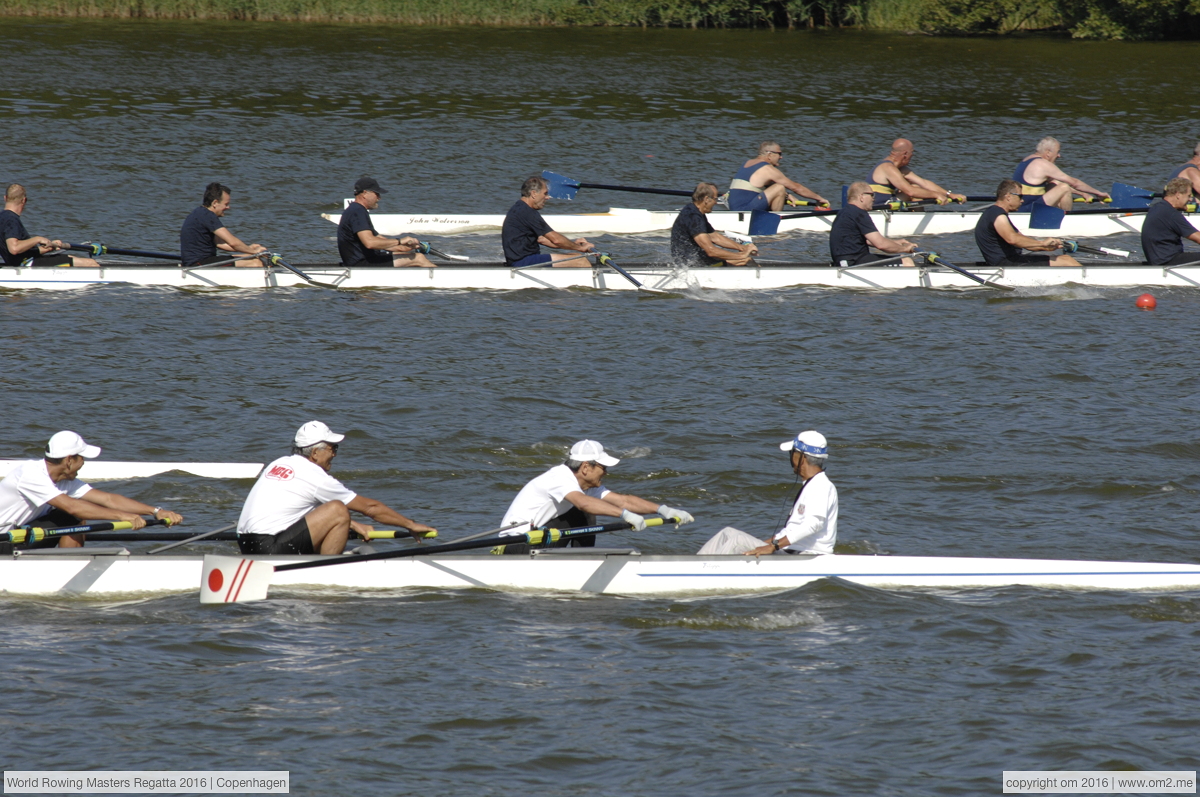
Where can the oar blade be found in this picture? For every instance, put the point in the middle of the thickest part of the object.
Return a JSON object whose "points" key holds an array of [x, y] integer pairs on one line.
{"points": [[1045, 217], [560, 187], [232, 579], [1130, 196], [763, 222]]}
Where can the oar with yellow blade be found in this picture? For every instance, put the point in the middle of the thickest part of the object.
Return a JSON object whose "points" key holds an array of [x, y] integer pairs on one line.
{"points": [[230, 579]]}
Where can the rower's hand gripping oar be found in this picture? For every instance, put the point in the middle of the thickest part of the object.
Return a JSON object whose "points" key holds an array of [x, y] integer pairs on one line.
{"points": [[604, 260], [565, 188], [30, 533], [1072, 247], [933, 258], [229, 579], [98, 249], [424, 248], [276, 260]]}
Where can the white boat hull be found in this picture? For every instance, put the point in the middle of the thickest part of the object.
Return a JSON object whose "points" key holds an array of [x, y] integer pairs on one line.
{"points": [[99, 470], [633, 221], [499, 277], [625, 573]]}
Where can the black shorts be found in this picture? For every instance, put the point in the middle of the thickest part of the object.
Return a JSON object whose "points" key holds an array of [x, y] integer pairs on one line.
{"points": [[56, 260], [1025, 260], [293, 540], [1183, 259], [376, 258]]}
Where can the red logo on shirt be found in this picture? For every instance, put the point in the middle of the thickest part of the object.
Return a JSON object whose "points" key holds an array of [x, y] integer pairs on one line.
{"points": [[280, 473]]}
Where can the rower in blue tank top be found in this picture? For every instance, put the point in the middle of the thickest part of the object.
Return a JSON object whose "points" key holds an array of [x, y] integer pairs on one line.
{"points": [[760, 185], [1190, 171], [1040, 179], [893, 179]]}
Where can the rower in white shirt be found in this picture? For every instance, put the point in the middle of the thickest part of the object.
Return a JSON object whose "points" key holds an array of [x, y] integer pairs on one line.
{"points": [[565, 495], [812, 525], [46, 492], [296, 507]]}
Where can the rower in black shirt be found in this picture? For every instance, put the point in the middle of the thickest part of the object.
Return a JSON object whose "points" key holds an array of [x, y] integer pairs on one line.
{"points": [[358, 242], [18, 247], [1165, 227], [1001, 243], [203, 233], [853, 231], [525, 231], [694, 242]]}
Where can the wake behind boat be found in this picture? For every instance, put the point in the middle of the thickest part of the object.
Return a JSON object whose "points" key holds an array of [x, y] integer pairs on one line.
{"points": [[94, 470], [765, 275], [105, 572]]}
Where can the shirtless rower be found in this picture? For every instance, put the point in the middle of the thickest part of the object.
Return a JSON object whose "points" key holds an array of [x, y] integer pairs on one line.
{"points": [[1041, 180], [761, 185], [1190, 171], [525, 231], [17, 245], [893, 179], [1000, 242]]}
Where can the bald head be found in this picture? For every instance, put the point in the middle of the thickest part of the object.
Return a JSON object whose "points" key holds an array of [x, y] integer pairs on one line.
{"points": [[858, 189], [901, 145], [14, 193]]}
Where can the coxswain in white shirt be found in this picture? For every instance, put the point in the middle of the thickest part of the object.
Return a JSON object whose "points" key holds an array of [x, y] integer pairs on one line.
{"points": [[47, 493], [812, 525], [296, 507], [566, 495]]}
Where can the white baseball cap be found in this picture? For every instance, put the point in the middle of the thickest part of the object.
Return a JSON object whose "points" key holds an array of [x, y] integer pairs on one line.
{"points": [[591, 451], [315, 432], [810, 442], [68, 444]]}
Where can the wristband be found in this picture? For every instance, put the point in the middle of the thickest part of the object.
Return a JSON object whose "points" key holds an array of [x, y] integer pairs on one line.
{"points": [[775, 544], [156, 510]]}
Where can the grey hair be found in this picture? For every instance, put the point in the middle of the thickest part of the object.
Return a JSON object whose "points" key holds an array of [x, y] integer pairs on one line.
{"points": [[574, 464], [306, 451], [766, 145], [1048, 143], [816, 462], [704, 191], [532, 184], [1178, 185]]}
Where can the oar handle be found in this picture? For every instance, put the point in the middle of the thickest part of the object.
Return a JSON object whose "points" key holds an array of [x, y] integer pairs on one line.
{"points": [[532, 537], [31, 533]]}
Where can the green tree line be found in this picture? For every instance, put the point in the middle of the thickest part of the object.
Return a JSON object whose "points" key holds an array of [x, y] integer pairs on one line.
{"points": [[1087, 19]]}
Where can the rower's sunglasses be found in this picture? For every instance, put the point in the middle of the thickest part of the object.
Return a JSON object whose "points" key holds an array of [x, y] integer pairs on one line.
{"points": [[772, 152]]}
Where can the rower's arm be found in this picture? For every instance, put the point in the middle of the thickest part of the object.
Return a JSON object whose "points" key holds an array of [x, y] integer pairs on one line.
{"points": [[1054, 173], [595, 506], [716, 245], [774, 175], [1194, 237], [231, 243], [18, 246], [556, 240], [939, 193], [1009, 233], [892, 246], [631, 502], [381, 512], [1193, 174], [92, 509]]}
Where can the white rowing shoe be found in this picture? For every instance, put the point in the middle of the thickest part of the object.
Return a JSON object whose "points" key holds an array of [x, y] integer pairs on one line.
{"points": [[99, 470]]}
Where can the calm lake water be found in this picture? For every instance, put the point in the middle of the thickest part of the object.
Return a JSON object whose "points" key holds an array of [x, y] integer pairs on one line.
{"points": [[1049, 423]]}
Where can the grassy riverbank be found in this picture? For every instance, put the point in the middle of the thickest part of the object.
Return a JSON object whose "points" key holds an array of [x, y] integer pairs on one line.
{"points": [[1092, 19]]}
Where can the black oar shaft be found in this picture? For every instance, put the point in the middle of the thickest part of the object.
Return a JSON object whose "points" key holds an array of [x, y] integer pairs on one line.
{"points": [[92, 248], [534, 537], [634, 190]]}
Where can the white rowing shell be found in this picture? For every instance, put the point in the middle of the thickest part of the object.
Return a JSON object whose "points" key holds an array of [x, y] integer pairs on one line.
{"points": [[98, 470], [633, 221], [68, 572]]}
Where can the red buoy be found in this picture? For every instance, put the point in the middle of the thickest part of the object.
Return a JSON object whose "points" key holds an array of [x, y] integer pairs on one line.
{"points": [[1147, 301]]}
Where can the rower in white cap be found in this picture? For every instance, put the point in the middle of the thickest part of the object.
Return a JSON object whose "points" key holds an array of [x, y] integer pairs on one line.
{"points": [[812, 525], [47, 492], [565, 495], [296, 507]]}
